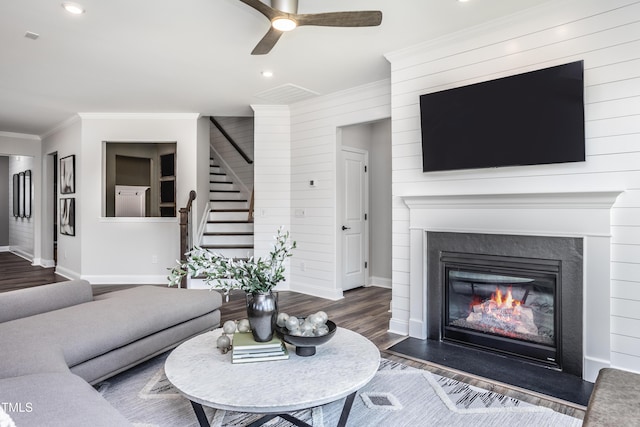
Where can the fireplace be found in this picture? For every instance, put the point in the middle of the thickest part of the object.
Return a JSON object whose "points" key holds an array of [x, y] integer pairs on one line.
{"points": [[504, 304], [584, 217], [517, 296]]}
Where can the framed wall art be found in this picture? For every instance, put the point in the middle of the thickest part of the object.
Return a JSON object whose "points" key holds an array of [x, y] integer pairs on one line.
{"points": [[68, 175], [68, 216]]}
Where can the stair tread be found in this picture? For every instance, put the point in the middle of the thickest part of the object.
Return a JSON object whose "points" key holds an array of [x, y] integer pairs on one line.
{"points": [[232, 221], [221, 182], [228, 200], [227, 246], [228, 233], [229, 210]]}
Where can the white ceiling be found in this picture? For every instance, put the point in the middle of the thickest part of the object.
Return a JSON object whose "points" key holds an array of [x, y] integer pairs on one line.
{"points": [[194, 55]]}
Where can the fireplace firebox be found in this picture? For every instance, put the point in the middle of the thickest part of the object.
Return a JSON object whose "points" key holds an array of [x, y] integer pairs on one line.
{"points": [[509, 295], [505, 304]]}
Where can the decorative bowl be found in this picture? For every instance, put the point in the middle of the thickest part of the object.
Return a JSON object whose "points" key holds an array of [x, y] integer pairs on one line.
{"points": [[306, 346]]}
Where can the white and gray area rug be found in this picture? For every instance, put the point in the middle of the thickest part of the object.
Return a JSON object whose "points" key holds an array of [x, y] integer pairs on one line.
{"points": [[397, 396]]}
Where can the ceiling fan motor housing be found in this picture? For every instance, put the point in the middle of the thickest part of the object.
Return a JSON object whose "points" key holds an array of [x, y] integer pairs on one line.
{"points": [[287, 6]]}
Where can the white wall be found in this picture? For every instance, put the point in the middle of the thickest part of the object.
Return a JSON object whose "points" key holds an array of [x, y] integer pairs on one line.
{"points": [[28, 145], [272, 179], [21, 230], [6, 181], [314, 155], [201, 204], [606, 36], [122, 250], [375, 138], [380, 203], [65, 141]]}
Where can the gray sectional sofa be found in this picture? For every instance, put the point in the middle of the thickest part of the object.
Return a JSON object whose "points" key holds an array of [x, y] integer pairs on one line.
{"points": [[57, 339]]}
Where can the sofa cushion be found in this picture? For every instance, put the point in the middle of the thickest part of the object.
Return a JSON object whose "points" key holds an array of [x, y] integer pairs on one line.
{"points": [[41, 299], [21, 357], [115, 319], [614, 400], [56, 399]]}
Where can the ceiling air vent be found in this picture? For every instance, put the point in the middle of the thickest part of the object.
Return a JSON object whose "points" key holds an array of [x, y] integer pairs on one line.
{"points": [[286, 94]]}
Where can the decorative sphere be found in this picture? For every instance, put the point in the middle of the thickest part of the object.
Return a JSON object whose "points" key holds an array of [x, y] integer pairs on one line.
{"points": [[292, 323], [306, 327], [315, 319], [243, 325], [321, 330], [223, 342], [282, 319], [229, 327], [323, 316]]}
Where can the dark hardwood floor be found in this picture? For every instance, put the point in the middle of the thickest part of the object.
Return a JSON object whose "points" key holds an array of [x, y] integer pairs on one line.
{"points": [[364, 310], [16, 273]]}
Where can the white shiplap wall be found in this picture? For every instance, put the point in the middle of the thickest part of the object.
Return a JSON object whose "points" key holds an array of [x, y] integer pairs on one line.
{"points": [[272, 172], [21, 230], [315, 126], [606, 35]]}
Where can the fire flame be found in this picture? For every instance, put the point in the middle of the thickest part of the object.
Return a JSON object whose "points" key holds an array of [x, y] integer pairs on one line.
{"points": [[499, 301]]}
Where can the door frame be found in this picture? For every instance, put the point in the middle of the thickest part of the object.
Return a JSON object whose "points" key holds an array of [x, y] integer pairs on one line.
{"points": [[340, 207]]}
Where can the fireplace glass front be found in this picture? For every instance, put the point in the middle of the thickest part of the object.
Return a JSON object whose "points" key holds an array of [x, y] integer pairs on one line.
{"points": [[503, 304]]}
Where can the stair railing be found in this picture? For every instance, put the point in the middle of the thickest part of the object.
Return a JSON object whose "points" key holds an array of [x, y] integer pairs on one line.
{"points": [[186, 235], [231, 141], [250, 218]]}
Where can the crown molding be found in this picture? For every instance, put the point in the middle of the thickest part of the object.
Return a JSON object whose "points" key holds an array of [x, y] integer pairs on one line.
{"points": [[139, 116], [20, 136], [62, 125]]}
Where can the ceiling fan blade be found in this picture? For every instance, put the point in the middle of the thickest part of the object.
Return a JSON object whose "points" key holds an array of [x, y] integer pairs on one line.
{"points": [[365, 18], [269, 40], [267, 11]]}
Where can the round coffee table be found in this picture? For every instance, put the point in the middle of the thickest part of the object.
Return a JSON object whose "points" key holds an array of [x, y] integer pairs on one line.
{"points": [[207, 377]]}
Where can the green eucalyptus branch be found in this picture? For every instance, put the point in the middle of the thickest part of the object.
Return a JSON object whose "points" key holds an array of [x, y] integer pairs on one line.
{"points": [[255, 275]]}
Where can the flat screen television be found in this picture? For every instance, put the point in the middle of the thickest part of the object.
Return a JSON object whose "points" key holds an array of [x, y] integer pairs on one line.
{"points": [[526, 119]]}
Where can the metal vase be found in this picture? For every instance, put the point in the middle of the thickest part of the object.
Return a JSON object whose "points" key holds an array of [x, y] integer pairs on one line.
{"points": [[262, 311]]}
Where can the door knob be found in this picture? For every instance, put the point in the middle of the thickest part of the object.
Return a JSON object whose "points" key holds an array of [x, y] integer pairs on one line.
{"points": [[345, 228]]}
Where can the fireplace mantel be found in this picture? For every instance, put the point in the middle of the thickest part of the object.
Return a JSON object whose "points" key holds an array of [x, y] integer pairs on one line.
{"points": [[576, 214], [573, 200]]}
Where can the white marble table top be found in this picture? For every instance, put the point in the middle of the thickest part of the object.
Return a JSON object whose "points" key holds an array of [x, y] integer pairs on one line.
{"points": [[204, 375]]}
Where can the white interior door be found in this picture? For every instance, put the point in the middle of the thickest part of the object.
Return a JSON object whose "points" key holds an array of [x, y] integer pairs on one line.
{"points": [[354, 216]]}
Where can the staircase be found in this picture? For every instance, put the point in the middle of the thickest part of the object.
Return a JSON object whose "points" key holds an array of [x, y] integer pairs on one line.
{"points": [[229, 230]]}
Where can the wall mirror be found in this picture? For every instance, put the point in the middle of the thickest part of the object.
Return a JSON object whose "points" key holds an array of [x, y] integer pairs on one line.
{"points": [[21, 194], [27, 194], [16, 195]]}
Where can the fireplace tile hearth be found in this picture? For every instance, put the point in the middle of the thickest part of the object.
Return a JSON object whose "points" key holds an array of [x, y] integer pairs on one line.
{"points": [[504, 369]]}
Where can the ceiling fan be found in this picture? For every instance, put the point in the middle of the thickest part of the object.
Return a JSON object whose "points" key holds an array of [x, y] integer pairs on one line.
{"points": [[284, 16]]}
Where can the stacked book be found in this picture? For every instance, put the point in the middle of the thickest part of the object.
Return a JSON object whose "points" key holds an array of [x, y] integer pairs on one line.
{"points": [[246, 349]]}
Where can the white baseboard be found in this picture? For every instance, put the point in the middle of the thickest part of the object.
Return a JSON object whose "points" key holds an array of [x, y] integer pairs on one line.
{"points": [[46, 263], [400, 327], [592, 366], [65, 272], [332, 294], [4, 248], [380, 282], [21, 253], [128, 279]]}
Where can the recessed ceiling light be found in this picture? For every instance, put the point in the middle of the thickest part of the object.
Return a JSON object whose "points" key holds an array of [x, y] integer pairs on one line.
{"points": [[267, 73], [31, 35], [73, 8]]}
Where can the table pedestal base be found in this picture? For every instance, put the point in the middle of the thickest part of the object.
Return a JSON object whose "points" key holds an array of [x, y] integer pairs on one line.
{"points": [[346, 409]]}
